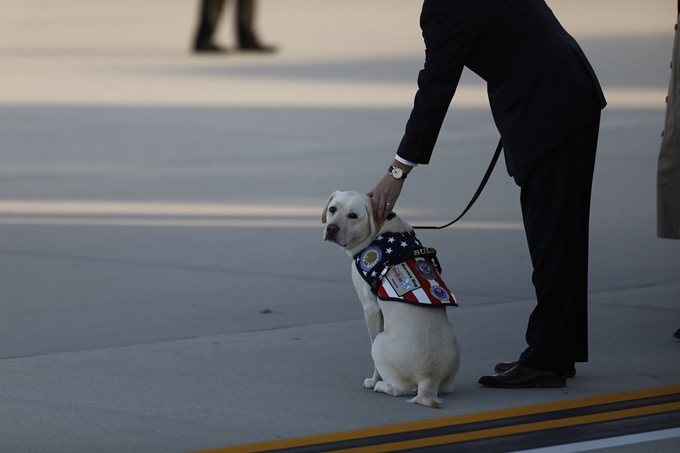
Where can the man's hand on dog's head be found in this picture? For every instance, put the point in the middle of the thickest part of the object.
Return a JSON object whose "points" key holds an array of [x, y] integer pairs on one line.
{"points": [[384, 196]]}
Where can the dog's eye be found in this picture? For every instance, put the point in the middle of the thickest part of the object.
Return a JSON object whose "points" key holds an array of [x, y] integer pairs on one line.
{"points": [[332, 209], [352, 216]]}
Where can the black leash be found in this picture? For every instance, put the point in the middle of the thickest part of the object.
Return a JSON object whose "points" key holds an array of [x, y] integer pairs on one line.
{"points": [[486, 177]]}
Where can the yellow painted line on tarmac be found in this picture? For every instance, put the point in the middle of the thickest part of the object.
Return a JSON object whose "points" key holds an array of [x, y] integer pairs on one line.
{"points": [[473, 418], [515, 429]]}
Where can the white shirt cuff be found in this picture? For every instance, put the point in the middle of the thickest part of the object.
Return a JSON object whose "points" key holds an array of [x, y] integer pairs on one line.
{"points": [[405, 162]]}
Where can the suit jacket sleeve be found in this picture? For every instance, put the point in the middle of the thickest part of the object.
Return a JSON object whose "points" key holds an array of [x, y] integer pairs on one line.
{"points": [[448, 37]]}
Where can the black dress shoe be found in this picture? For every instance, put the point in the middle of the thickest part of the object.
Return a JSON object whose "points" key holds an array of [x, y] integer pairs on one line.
{"points": [[505, 366], [208, 47], [257, 48], [521, 377], [254, 46], [676, 334]]}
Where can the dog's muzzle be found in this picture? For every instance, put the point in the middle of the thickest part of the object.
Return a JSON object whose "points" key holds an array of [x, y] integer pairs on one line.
{"points": [[331, 231]]}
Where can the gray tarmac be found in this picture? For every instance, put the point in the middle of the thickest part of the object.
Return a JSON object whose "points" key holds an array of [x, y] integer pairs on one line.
{"points": [[164, 284]]}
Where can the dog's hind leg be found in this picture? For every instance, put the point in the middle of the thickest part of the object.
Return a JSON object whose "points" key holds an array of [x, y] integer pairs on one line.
{"points": [[427, 394], [388, 389], [392, 382]]}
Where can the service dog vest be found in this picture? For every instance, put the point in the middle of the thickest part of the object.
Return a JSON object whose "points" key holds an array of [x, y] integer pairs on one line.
{"points": [[397, 267]]}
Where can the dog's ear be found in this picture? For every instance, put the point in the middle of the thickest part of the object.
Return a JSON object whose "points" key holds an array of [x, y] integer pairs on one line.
{"points": [[323, 214], [375, 227]]}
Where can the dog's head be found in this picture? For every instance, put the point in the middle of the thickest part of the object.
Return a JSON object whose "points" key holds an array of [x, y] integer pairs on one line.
{"points": [[349, 220]]}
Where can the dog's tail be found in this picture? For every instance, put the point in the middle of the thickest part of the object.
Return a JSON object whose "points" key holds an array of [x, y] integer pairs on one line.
{"points": [[427, 394]]}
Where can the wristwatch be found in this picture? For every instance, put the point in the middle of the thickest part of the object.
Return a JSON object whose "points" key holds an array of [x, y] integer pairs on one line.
{"points": [[396, 173]]}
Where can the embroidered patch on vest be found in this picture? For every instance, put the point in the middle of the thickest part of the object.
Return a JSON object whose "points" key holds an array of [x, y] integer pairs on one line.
{"points": [[440, 293], [425, 270], [370, 257]]}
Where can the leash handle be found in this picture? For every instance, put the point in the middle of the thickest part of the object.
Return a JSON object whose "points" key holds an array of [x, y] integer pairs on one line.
{"points": [[485, 179]]}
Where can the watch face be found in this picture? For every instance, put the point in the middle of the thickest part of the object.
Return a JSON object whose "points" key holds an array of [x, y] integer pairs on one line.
{"points": [[397, 173]]}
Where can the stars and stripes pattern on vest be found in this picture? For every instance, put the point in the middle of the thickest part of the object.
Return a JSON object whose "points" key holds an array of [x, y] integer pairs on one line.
{"points": [[399, 268]]}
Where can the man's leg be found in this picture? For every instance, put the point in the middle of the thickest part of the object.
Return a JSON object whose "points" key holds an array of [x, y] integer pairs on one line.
{"points": [[555, 199]]}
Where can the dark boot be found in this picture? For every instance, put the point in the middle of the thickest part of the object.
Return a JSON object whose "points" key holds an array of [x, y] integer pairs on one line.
{"points": [[209, 16], [245, 18]]}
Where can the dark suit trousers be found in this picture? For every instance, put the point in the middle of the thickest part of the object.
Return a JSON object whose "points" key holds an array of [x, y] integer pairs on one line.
{"points": [[555, 199]]}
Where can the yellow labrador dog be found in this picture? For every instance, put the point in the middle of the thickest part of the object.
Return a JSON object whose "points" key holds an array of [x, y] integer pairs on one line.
{"points": [[414, 347]]}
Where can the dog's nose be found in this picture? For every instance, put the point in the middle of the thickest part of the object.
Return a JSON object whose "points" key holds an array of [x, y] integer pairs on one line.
{"points": [[332, 229]]}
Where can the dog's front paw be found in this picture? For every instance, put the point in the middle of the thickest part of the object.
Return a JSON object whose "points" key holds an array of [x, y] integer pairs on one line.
{"points": [[370, 383]]}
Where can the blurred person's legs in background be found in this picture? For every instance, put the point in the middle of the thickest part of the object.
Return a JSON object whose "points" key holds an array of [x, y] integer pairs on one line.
{"points": [[209, 17], [245, 20]]}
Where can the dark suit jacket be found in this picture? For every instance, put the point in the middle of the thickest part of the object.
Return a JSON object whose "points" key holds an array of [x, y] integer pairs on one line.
{"points": [[541, 87]]}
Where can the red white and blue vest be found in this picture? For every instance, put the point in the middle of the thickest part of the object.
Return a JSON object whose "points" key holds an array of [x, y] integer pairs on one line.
{"points": [[398, 268]]}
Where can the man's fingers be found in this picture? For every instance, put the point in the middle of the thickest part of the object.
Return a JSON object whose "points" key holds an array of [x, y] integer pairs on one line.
{"points": [[375, 204], [379, 212], [383, 197]]}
